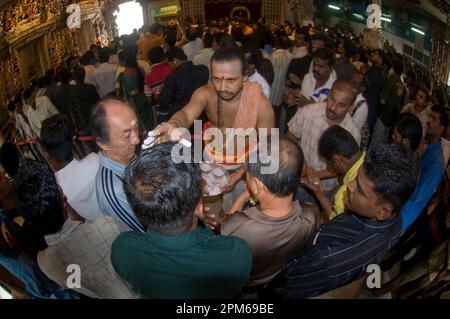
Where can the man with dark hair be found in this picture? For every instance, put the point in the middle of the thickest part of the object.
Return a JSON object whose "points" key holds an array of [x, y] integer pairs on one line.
{"points": [[342, 154], [154, 39], [277, 223], [408, 131], [391, 99], [70, 239], [180, 84], [314, 86], [115, 128], [344, 247], [280, 59], [229, 101], [432, 164], [419, 107], [194, 43], [76, 177], [175, 258], [81, 99], [254, 58], [105, 75], [37, 108], [309, 123], [376, 79], [203, 57], [160, 70]]}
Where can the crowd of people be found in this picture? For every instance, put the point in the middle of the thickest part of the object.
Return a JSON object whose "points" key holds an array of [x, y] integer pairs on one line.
{"points": [[363, 148]]}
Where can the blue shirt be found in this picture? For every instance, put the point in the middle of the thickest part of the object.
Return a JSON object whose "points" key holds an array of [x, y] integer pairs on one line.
{"points": [[110, 195], [340, 253], [432, 167]]}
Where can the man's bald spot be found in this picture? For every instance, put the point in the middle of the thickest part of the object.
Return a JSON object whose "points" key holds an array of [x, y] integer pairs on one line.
{"points": [[345, 86], [290, 154]]}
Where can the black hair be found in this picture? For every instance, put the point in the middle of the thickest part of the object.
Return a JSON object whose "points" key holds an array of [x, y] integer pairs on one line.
{"points": [[191, 34], [155, 28], [397, 65], [56, 138], [104, 55], [171, 38], [98, 122], [230, 54], [443, 115], [86, 58], [78, 74], [409, 126], [218, 37], [394, 172], [255, 56], [207, 40], [162, 192], [325, 54], [28, 93], [290, 157], [283, 42], [176, 53], [69, 60], [337, 141], [156, 55], [37, 197]]}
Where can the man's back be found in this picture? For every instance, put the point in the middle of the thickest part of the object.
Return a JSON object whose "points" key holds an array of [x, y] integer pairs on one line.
{"points": [[77, 181], [88, 245], [180, 85], [104, 79], [273, 240], [197, 264], [340, 253]]}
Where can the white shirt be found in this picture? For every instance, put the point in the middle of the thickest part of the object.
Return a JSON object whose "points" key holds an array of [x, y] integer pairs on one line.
{"points": [[256, 77], [192, 48], [280, 61], [90, 70], [77, 181], [44, 109], [104, 78], [360, 116], [299, 52], [308, 125], [321, 93]]}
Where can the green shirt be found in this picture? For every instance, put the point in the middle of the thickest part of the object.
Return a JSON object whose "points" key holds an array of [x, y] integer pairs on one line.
{"points": [[392, 92], [197, 264]]}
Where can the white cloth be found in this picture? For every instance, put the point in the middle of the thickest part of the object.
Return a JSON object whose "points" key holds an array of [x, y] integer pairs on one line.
{"points": [[203, 57], [280, 59], [88, 245], [422, 116], [360, 116], [104, 79], [77, 181], [308, 125], [44, 109], [321, 93], [256, 77], [90, 70], [192, 48], [299, 52]]}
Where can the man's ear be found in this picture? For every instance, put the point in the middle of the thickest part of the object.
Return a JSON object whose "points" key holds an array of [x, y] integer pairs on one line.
{"points": [[103, 146], [385, 211], [338, 159], [406, 142]]}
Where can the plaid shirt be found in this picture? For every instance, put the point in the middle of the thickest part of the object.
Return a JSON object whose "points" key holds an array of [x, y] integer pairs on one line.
{"points": [[308, 125], [87, 245]]}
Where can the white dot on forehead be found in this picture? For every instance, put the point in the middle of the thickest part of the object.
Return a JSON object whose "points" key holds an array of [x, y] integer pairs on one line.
{"points": [[133, 123]]}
